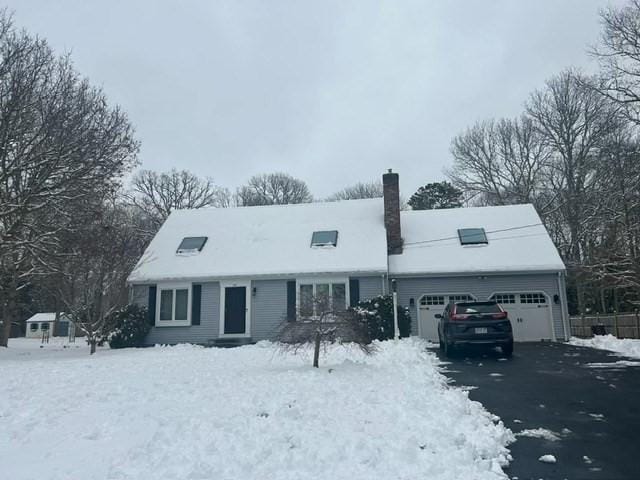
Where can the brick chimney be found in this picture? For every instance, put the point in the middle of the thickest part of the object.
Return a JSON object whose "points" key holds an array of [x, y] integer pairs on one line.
{"points": [[391, 190]]}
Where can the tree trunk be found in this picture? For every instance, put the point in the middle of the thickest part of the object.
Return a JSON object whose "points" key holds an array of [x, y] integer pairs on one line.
{"points": [[316, 350], [5, 330], [8, 315], [93, 347]]}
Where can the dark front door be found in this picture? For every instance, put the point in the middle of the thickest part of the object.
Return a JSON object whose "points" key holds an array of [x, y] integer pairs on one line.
{"points": [[235, 308]]}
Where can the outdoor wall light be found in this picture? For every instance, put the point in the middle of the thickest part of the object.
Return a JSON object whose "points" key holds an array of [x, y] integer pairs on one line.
{"points": [[412, 302], [254, 291], [556, 299]]}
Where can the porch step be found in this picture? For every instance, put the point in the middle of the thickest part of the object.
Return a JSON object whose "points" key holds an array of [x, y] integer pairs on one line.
{"points": [[229, 342]]}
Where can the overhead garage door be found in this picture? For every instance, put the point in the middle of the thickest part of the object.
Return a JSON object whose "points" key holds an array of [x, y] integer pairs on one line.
{"points": [[430, 305], [529, 314]]}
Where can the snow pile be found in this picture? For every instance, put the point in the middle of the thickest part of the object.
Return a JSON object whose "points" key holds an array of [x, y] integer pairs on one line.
{"points": [[543, 433], [252, 412], [624, 346], [547, 459]]}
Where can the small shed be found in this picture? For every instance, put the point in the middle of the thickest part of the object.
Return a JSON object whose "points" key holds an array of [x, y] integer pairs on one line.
{"points": [[42, 323]]}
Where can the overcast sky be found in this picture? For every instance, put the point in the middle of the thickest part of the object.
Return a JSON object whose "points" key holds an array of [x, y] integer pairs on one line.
{"points": [[333, 92]]}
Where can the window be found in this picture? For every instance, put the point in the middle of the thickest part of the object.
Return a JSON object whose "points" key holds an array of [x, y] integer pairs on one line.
{"points": [[44, 327], [325, 296], [472, 236], [461, 298], [34, 327], [324, 238], [504, 298], [191, 244], [174, 306], [477, 307], [432, 300], [532, 298]]}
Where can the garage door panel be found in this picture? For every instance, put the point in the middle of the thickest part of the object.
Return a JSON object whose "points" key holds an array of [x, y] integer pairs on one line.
{"points": [[529, 313]]}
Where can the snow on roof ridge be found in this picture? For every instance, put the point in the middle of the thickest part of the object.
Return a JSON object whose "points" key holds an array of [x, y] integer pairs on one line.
{"points": [[290, 205], [481, 207]]}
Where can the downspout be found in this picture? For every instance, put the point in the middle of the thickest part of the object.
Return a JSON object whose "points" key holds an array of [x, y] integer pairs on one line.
{"points": [[563, 305]]}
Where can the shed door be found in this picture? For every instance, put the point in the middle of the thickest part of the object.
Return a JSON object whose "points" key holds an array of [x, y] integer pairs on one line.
{"points": [[430, 305], [529, 314]]}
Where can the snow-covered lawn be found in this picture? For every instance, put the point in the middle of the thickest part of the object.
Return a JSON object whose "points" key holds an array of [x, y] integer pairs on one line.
{"points": [[188, 412], [624, 346]]}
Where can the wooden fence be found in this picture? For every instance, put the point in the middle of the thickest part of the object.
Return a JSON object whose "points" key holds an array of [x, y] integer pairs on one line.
{"points": [[622, 325]]}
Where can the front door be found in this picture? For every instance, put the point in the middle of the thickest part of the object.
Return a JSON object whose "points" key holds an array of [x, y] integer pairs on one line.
{"points": [[235, 310]]}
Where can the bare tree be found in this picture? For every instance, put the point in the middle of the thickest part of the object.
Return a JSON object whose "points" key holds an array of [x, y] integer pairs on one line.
{"points": [[358, 191], [500, 162], [319, 323], [273, 189], [576, 124], [99, 256], [158, 194], [60, 144], [619, 56]]}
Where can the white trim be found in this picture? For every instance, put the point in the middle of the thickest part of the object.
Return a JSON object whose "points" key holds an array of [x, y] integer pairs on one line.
{"points": [[321, 281], [518, 302], [173, 323], [418, 305], [247, 318]]}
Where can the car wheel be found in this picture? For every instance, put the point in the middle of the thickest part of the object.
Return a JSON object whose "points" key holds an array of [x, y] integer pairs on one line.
{"points": [[507, 350]]}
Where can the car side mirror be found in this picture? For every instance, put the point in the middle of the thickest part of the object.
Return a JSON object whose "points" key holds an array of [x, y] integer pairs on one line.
{"points": [[438, 315]]}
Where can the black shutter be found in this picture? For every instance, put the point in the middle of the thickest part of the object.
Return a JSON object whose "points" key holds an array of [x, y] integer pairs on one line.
{"points": [[354, 291], [151, 311], [291, 300], [196, 292]]}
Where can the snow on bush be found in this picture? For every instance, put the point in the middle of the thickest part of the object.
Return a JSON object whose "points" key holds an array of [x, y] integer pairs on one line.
{"points": [[624, 346], [127, 326], [377, 312], [189, 412]]}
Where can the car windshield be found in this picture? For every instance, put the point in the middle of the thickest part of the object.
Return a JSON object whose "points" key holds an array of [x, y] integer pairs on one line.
{"points": [[471, 308]]}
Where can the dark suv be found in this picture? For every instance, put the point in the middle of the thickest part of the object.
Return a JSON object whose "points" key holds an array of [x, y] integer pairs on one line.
{"points": [[474, 323]]}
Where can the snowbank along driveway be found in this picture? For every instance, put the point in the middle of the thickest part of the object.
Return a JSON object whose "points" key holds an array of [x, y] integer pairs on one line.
{"points": [[188, 412]]}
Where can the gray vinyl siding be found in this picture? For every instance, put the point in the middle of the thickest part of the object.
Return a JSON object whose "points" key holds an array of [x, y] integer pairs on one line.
{"points": [[370, 287], [482, 287], [268, 308], [268, 311], [203, 333]]}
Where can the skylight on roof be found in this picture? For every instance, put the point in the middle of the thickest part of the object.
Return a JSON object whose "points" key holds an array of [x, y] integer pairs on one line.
{"points": [[324, 238], [472, 236], [191, 244]]}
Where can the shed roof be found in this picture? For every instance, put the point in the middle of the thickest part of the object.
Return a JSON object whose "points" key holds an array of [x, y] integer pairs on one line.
{"points": [[47, 317]]}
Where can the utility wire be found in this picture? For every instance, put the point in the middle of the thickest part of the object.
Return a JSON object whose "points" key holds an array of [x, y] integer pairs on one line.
{"points": [[491, 231]]}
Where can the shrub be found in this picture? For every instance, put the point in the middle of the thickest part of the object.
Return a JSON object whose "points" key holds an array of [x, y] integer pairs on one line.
{"points": [[378, 315], [127, 326]]}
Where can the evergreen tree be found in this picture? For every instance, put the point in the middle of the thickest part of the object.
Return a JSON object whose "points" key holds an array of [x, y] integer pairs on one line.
{"points": [[436, 195]]}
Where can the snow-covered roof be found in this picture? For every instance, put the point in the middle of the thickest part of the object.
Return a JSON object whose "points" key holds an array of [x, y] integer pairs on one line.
{"points": [[268, 240], [47, 317], [517, 241]]}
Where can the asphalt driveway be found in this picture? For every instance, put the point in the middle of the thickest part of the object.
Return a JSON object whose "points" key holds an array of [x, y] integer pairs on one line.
{"points": [[593, 409]]}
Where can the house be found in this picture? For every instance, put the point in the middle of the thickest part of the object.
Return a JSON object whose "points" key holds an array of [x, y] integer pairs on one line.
{"points": [[43, 324], [214, 276]]}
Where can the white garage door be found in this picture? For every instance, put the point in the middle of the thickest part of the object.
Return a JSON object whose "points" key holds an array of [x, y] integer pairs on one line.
{"points": [[529, 314], [429, 306]]}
